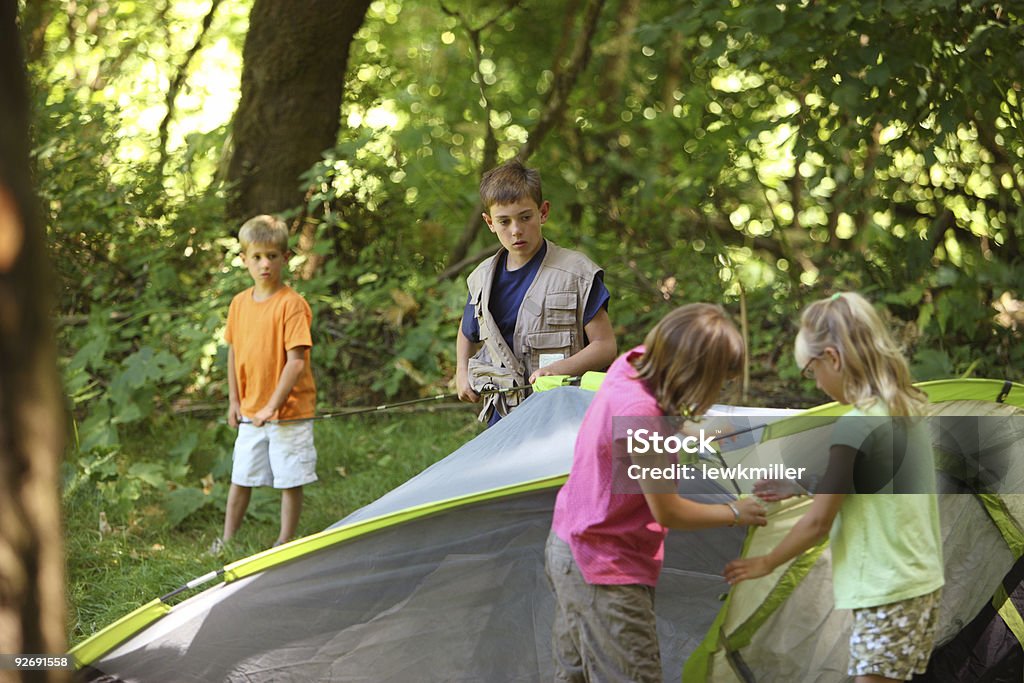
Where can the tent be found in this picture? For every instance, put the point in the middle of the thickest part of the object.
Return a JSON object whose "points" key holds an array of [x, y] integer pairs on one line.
{"points": [[442, 579], [979, 446]]}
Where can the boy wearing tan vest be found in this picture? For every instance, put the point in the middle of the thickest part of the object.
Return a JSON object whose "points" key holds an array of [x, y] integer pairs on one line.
{"points": [[534, 308]]}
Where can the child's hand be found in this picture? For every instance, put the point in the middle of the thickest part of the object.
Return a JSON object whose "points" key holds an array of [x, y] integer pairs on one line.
{"points": [[542, 372], [752, 513], [465, 391], [720, 428], [773, 490], [260, 418], [234, 414], [749, 568]]}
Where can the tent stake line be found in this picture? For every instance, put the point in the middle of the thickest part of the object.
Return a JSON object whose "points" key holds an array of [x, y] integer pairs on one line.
{"points": [[389, 406]]}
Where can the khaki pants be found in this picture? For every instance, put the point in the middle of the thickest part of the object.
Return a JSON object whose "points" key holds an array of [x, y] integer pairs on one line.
{"points": [[601, 632]]}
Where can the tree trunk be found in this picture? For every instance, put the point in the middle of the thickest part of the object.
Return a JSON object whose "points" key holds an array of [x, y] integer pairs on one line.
{"points": [[293, 78], [490, 159], [675, 69], [31, 425]]}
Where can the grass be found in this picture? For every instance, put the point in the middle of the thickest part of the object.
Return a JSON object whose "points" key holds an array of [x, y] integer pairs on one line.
{"points": [[139, 557]]}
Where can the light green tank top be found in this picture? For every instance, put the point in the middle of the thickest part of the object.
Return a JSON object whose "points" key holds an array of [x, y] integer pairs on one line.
{"points": [[886, 546]]}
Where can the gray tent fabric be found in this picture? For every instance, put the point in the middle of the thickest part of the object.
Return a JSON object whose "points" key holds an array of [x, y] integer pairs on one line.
{"points": [[534, 443], [458, 595], [985, 650]]}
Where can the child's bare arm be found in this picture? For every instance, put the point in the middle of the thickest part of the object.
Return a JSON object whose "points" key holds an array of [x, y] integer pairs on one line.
{"points": [[464, 348], [599, 352], [811, 528], [805, 534], [234, 405], [293, 369], [675, 512]]}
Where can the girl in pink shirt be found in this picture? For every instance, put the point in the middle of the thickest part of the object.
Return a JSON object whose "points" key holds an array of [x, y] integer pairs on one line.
{"points": [[607, 539]]}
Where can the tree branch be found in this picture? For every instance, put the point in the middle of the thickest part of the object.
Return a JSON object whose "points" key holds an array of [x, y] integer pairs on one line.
{"points": [[177, 83], [472, 226], [564, 81], [554, 107], [456, 268]]}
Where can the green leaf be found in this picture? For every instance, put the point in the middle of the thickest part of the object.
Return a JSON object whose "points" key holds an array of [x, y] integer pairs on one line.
{"points": [[924, 316], [151, 473], [182, 502], [130, 406], [878, 75], [97, 431], [168, 364], [908, 297], [768, 19], [848, 96], [139, 367], [944, 311], [946, 276], [931, 364], [182, 449], [842, 17], [91, 353]]}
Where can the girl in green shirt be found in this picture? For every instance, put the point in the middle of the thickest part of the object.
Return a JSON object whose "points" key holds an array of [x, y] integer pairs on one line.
{"points": [[884, 530]]}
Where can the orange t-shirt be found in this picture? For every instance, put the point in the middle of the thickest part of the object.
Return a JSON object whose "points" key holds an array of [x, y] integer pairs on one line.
{"points": [[261, 333]]}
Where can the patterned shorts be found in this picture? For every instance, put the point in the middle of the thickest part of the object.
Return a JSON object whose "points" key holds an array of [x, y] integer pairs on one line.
{"points": [[894, 640]]}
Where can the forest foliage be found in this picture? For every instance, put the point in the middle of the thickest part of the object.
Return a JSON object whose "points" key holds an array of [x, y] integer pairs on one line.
{"points": [[758, 155]]}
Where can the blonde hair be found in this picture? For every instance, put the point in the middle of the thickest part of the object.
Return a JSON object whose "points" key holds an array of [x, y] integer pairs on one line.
{"points": [[873, 367], [264, 229], [688, 355], [509, 183]]}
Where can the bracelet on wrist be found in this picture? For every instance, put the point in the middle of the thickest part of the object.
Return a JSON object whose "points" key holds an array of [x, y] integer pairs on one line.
{"points": [[735, 514]]}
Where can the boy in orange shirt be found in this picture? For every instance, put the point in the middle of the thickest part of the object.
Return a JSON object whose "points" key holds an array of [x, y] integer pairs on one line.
{"points": [[270, 383]]}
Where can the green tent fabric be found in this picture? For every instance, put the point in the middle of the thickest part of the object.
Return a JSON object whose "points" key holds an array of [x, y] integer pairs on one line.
{"points": [[783, 628]]}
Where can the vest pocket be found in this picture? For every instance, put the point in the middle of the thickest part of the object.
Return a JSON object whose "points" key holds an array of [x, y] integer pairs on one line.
{"points": [[484, 375], [560, 308], [549, 344]]}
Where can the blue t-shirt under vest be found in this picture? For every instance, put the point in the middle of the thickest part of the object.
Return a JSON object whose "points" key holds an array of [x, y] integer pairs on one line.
{"points": [[508, 290]]}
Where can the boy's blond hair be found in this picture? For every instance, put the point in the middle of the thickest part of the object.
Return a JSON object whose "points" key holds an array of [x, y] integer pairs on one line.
{"points": [[688, 356], [264, 229], [509, 183], [873, 367]]}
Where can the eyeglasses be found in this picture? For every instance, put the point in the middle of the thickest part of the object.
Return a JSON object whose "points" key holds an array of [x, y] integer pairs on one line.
{"points": [[807, 372]]}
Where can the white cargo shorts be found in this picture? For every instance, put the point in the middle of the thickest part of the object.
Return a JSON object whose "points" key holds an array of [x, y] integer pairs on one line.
{"points": [[278, 455]]}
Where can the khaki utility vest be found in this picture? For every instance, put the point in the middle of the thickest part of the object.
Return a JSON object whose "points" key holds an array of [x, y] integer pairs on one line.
{"points": [[549, 325]]}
